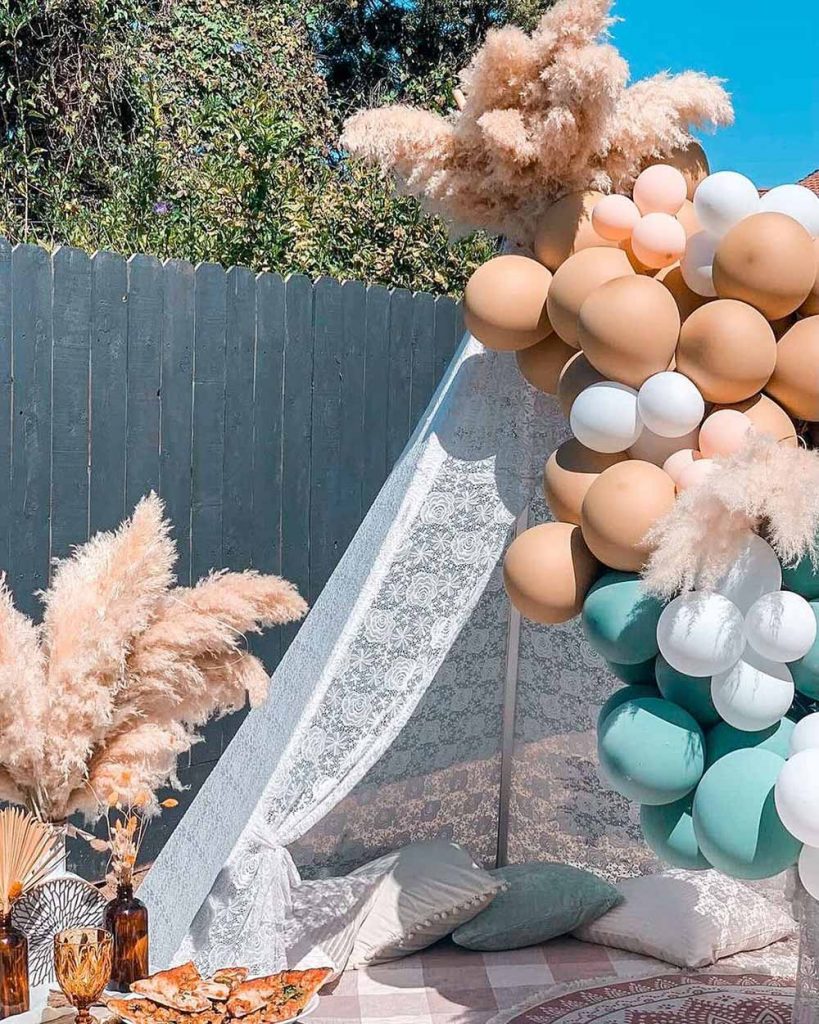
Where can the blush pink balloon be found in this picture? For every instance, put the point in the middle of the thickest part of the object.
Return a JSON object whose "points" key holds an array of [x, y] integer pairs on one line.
{"points": [[723, 432], [660, 189], [615, 217], [679, 461], [694, 474], [658, 240]]}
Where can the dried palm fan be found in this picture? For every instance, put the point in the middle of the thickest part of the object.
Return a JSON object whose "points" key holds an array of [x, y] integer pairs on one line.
{"points": [[29, 850]]}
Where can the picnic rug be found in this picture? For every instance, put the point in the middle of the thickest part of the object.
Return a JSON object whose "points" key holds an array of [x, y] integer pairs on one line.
{"points": [[676, 998]]}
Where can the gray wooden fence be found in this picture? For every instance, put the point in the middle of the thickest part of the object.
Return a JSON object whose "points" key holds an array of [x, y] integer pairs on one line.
{"points": [[267, 412]]}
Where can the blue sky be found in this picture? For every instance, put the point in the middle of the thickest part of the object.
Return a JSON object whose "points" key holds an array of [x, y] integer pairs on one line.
{"points": [[769, 54]]}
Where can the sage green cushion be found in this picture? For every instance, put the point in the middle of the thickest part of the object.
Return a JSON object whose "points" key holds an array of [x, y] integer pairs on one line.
{"points": [[543, 901]]}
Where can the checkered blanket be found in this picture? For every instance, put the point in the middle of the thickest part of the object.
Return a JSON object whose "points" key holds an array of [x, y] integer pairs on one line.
{"points": [[449, 985]]}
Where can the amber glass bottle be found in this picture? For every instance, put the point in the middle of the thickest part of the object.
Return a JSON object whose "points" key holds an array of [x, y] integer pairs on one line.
{"points": [[13, 969], [126, 918]]}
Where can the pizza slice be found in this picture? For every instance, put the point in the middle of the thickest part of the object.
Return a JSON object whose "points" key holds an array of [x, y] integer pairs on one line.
{"points": [[252, 995], [298, 988], [175, 988], [231, 976]]}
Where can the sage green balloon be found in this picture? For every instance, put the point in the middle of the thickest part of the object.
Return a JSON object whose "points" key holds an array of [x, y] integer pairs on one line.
{"points": [[621, 696], [691, 692], [735, 818], [805, 671], [669, 831], [725, 739], [642, 673], [651, 751], [620, 619], [801, 578]]}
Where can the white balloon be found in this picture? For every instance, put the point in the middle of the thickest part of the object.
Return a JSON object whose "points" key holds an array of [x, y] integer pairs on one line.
{"points": [[756, 571], [670, 404], [604, 417], [697, 264], [724, 199], [797, 202], [809, 870], [796, 795], [805, 735], [700, 633], [650, 447], [781, 626], [754, 694]]}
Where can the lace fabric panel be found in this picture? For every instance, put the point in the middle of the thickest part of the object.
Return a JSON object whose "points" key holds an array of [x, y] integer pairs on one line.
{"points": [[359, 666]]}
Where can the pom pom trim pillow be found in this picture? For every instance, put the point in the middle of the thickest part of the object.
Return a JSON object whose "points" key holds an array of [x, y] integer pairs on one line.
{"points": [[688, 918], [426, 891], [543, 901]]}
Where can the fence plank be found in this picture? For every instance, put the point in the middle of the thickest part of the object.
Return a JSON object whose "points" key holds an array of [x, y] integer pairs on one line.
{"points": [[349, 507], [69, 411], [423, 381], [29, 543], [145, 305], [448, 332], [5, 400], [177, 406], [208, 419], [297, 426], [109, 390], [267, 443], [237, 511], [400, 374], [375, 388]]}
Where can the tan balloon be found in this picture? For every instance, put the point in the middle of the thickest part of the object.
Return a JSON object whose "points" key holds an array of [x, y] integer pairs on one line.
{"points": [[541, 364], [795, 381], [636, 265], [505, 303], [570, 471], [575, 280], [766, 260], [728, 349], [767, 417], [577, 375], [620, 507], [692, 162], [547, 572], [629, 329], [687, 301], [687, 216], [810, 307], [566, 228]]}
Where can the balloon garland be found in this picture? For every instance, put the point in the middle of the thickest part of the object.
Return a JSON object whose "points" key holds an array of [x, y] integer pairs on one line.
{"points": [[675, 326]]}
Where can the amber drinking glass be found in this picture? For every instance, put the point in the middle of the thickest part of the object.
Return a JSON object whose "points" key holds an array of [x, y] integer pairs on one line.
{"points": [[126, 918], [82, 964]]}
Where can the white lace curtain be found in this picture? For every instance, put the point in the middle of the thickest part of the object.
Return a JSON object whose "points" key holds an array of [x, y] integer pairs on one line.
{"points": [[358, 667]]}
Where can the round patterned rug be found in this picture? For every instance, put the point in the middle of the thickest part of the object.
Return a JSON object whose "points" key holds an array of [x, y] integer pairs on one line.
{"points": [[670, 999]]}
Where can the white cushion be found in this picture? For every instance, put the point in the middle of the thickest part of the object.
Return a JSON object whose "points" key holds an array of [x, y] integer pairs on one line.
{"points": [[324, 920], [427, 891], [688, 918]]}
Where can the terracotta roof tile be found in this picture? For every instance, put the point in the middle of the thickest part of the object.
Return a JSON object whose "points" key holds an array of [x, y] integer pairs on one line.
{"points": [[811, 181]]}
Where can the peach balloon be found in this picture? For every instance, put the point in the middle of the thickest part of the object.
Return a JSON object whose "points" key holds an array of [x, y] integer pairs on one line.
{"points": [[691, 162], [675, 464], [575, 280], [620, 507], [768, 261], [577, 375], [547, 572], [795, 381], [505, 303], [686, 299], [566, 228], [636, 265], [660, 189], [691, 476], [570, 471], [658, 240], [728, 349], [810, 307], [687, 216], [767, 417], [615, 217], [541, 364], [723, 433], [628, 329]]}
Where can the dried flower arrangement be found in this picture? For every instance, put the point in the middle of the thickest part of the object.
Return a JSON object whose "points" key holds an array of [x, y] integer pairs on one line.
{"points": [[126, 819], [542, 115], [29, 850], [106, 694], [767, 487]]}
